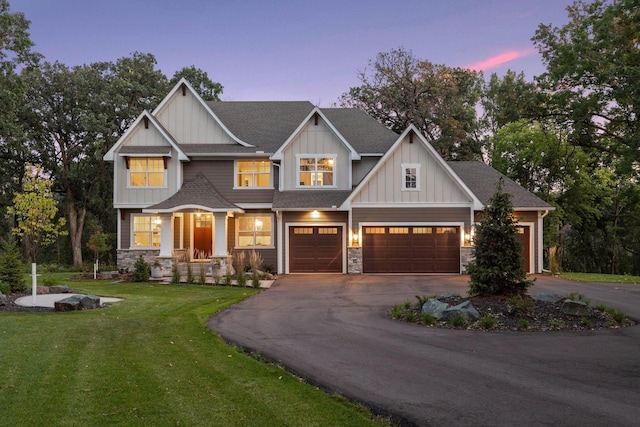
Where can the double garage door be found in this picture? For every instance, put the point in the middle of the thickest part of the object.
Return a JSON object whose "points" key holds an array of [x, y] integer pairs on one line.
{"points": [[412, 249]]}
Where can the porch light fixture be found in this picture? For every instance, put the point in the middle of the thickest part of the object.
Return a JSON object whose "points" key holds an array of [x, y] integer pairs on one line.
{"points": [[315, 214], [354, 238], [158, 221]]}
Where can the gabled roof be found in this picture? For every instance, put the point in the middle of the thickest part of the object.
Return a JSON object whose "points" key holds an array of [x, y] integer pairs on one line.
{"points": [[310, 199], [482, 180], [264, 124], [184, 83], [389, 154], [197, 193], [109, 156], [365, 134]]}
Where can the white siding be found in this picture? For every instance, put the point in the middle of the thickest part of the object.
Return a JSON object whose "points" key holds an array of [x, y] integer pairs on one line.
{"points": [[189, 122], [317, 139], [435, 184]]}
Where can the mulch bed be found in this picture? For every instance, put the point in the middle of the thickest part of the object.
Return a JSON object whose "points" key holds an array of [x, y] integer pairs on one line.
{"points": [[13, 307], [543, 316]]}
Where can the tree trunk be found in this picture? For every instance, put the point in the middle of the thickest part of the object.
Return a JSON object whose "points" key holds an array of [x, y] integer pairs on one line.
{"points": [[76, 227]]}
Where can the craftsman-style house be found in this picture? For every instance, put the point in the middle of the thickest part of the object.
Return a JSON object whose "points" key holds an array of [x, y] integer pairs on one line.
{"points": [[311, 189]]}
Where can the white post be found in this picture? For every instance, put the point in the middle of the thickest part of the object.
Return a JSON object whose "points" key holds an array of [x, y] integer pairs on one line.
{"points": [[95, 270], [34, 283]]}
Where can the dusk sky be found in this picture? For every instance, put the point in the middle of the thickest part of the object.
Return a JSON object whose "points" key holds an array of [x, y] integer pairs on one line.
{"points": [[287, 49]]}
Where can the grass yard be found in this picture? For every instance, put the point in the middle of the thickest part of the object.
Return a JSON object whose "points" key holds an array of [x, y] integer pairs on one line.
{"points": [[603, 278], [149, 360]]}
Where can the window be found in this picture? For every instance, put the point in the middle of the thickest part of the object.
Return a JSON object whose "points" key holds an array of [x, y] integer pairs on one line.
{"points": [[254, 231], [316, 171], [253, 173], [146, 231], [146, 172], [410, 176]]}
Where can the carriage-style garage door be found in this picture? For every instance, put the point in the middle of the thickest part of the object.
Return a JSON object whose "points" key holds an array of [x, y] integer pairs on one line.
{"points": [[414, 249], [315, 249]]}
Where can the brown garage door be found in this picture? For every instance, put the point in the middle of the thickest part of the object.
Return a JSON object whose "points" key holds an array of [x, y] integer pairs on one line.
{"points": [[524, 235], [315, 249], [387, 249]]}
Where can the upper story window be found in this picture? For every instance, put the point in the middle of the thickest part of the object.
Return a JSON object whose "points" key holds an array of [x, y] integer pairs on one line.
{"points": [[410, 176], [146, 171], [146, 231], [253, 174], [316, 171]]}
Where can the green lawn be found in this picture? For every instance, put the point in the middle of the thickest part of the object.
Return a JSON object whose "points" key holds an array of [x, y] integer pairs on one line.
{"points": [[605, 278], [149, 360]]}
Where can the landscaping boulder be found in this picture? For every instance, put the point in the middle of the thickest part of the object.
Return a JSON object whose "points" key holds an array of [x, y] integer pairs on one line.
{"points": [[78, 302], [547, 297], [59, 289], [576, 308], [434, 307], [3, 299], [465, 309]]}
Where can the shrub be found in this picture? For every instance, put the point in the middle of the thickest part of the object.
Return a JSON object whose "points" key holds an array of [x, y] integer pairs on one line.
{"points": [[241, 278], [407, 305], [191, 278], [141, 270], [427, 319], [176, 277], [554, 324], [524, 324], [521, 304], [423, 299], [5, 288], [255, 261], [49, 281], [202, 277], [11, 267], [396, 311], [487, 321], [617, 315], [457, 320], [227, 277], [409, 316], [586, 322]]}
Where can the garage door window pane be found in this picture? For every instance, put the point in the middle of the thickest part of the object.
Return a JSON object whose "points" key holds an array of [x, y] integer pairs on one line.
{"points": [[422, 230], [303, 230], [328, 230], [374, 230], [398, 230], [446, 230]]}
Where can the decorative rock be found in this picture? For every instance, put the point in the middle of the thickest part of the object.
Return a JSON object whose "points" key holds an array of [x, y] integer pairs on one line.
{"points": [[78, 302], [547, 297], [447, 296], [59, 289], [465, 309], [3, 299], [434, 307], [576, 308]]}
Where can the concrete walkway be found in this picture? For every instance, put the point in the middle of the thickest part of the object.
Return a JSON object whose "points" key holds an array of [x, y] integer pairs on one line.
{"points": [[48, 300], [334, 330]]}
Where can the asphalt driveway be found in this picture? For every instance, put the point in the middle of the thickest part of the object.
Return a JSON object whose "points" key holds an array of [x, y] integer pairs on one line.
{"points": [[334, 330]]}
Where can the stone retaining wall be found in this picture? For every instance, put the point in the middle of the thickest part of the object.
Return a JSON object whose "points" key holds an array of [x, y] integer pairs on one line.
{"points": [[126, 258]]}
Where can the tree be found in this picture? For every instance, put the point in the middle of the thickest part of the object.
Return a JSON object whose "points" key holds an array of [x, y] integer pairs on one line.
{"points": [[74, 115], [199, 79], [11, 268], [98, 243], [439, 100], [498, 267], [35, 212], [593, 68], [15, 52]]}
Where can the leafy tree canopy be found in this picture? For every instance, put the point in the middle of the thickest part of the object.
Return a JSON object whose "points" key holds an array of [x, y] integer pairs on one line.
{"points": [[199, 79], [439, 100]]}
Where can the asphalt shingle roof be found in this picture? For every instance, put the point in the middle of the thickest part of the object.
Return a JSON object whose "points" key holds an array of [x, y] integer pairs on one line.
{"points": [[310, 199], [197, 191], [482, 180], [363, 132]]}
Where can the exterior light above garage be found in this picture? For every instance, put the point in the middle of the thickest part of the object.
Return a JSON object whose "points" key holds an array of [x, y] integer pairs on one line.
{"points": [[315, 214], [355, 238]]}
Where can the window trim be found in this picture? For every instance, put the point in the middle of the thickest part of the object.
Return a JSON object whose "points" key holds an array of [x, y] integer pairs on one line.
{"points": [[164, 178], [254, 173], [254, 215], [132, 238], [316, 156], [403, 183]]}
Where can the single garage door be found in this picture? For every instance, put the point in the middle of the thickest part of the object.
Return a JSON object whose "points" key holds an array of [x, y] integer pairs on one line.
{"points": [[423, 249], [315, 249]]}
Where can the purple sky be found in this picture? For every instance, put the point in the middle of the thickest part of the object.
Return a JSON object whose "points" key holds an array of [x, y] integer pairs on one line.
{"points": [[292, 49]]}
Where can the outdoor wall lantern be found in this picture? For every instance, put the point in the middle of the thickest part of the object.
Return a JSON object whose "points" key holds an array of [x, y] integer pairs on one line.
{"points": [[354, 238], [315, 214]]}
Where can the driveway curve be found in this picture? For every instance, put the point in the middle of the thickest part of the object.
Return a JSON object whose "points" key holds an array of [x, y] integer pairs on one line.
{"points": [[334, 330]]}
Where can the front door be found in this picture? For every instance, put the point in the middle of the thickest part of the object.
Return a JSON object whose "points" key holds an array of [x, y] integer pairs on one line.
{"points": [[202, 236]]}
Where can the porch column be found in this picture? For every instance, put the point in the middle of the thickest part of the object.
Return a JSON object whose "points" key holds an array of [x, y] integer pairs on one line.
{"points": [[166, 236], [220, 243]]}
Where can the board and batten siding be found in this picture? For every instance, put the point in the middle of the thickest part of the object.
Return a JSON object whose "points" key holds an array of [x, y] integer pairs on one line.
{"points": [[317, 140], [138, 196], [436, 185], [410, 215], [362, 167], [221, 174], [189, 122]]}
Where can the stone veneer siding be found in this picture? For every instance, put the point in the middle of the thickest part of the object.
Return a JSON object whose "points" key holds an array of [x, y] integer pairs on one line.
{"points": [[126, 258], [354, 260], [466, 256]]}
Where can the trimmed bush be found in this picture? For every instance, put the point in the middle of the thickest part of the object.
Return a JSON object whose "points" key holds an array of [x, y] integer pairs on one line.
{"points": [[141, 270]]}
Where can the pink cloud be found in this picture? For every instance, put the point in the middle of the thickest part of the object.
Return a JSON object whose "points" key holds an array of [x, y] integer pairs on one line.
{"points": [[497, 60]]}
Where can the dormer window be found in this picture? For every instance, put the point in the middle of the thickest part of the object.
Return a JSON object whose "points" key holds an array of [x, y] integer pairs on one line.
{"points": [[316, 170], [146, 171]]}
